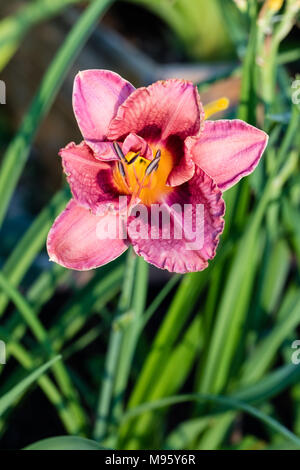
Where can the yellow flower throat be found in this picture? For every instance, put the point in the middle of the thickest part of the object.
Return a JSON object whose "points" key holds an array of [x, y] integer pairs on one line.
{"points": [[144, 179]]}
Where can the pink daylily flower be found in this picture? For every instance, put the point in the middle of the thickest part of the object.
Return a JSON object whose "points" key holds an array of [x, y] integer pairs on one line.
{"points": [[151, 146]]}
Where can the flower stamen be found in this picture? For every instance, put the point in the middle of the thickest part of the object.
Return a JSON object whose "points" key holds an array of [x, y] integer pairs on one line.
{"points": [[121, 169], [119, 152], [153, 165], [137, 179], [141, 178], [133, 159]]}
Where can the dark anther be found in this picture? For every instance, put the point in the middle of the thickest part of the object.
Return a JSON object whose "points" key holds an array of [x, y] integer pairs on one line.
{"points": [[133, 159], [152, 166], [121, 169], [158, 154], [119, 152]]}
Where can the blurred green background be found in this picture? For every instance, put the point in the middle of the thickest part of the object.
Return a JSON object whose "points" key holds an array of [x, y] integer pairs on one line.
{"points": [[128, 356]]}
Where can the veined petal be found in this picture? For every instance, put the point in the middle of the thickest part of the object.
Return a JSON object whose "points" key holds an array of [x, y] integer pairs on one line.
{"points": [[227, 150], [184, 166], [195, 211], [182, 172], [102, 150], [74, 241], [166, 108], [90, 180], [97, 95]]}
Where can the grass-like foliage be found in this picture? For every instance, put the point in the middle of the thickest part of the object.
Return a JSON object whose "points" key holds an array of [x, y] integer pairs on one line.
{"points": [[206, 362]]}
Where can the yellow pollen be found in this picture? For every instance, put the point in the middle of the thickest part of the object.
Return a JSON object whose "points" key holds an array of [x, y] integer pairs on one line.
{"points": [[148, 188], [215, 107]]}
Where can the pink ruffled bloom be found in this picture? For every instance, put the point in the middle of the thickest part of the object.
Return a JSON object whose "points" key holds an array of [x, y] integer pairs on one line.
{"points": [[197, 160]]}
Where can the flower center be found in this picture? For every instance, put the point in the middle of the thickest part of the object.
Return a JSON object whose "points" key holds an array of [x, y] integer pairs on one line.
{"points": [[142, 178]]}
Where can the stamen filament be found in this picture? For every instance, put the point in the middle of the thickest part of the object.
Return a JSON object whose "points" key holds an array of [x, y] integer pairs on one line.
{"points": [[136, 176]]}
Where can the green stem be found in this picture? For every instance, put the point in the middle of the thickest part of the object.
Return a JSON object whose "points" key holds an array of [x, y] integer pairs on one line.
{"points": [[31, 243], [46, 384], [247, 106], [114, 349], [131, 335], [246, 112], [231, 314], [159, 299], [96, 293], [9, 397], [14, 28], [177, 315], [228, 403], [270, 55], [40, 333]]}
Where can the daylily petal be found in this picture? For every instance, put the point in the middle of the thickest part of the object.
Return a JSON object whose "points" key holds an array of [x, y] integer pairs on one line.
{"points": [[102, 150], [170, 107], [97, 95], [90, 180], [135, 143], [182, 172], [228, 150], [74, 241], [152, 241], [184, 166]]}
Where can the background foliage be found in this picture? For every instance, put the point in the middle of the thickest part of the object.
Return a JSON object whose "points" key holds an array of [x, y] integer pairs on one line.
{"points": [[127, 357]]}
